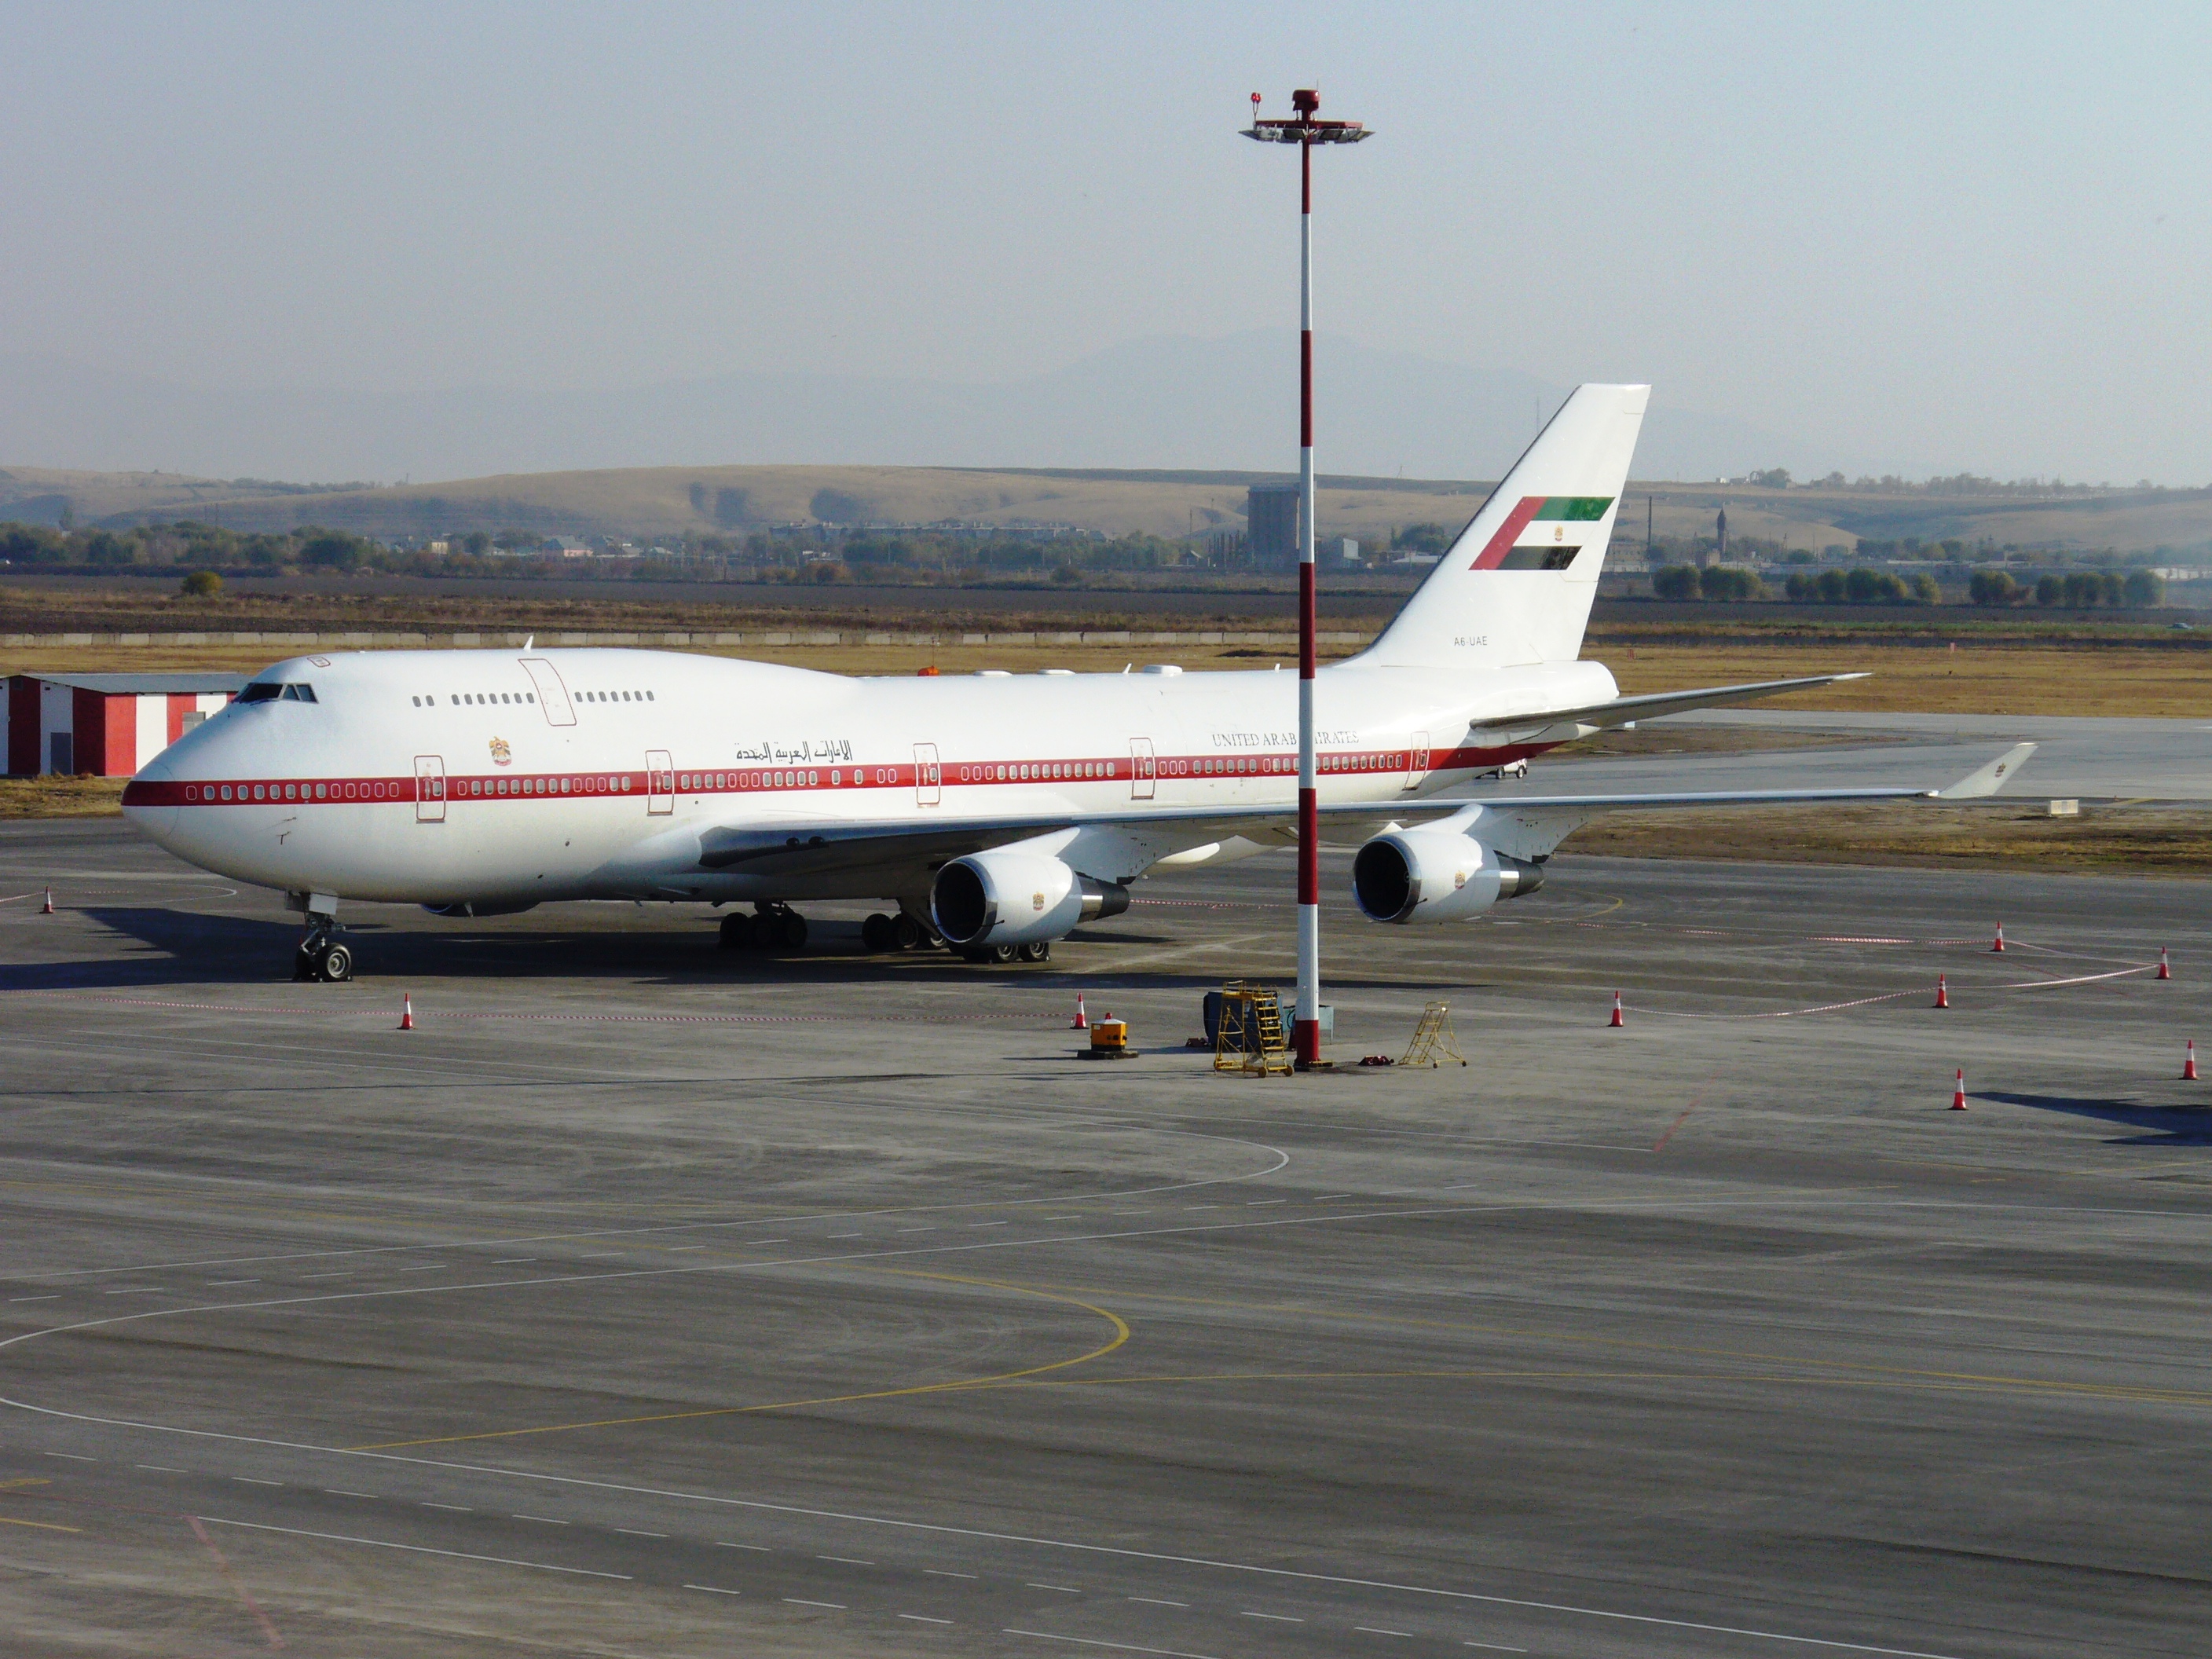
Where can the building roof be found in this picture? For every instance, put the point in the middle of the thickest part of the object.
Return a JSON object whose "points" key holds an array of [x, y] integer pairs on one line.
{"points": [[177, 683]]}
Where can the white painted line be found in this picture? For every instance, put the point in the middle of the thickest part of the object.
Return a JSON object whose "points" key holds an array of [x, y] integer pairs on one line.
{"points": [[1155, 1601], [924, 1619], [1065, 1589], [547, 1519], [212, 1283], [74, 1457], [431, 1268], [1118, 1647], [678, 1249], [939, 1572], [635, 1533], [758, 1242], [414, 1549], [1279, 1618], [990, 1224], [341, 1275], [848, 1560], [724, 1544], [801, 1601], [1376, 1630], [50, 1297], [166, 1468], [340, 1492], [917, 1229], [457, 1509], [844, 1235], [713, 1589], [1262, 1203], [1493, 1647], [135, 1290], [503, 1261], [252, 1481]]}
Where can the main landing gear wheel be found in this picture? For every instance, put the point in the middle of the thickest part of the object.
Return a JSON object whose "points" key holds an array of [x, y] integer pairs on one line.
{"points": [[907, 934], [736, 933], [1038, 950], [879, 934]]}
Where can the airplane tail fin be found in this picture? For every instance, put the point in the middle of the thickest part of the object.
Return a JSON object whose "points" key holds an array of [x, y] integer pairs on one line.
{"points": [[1516, 586]]}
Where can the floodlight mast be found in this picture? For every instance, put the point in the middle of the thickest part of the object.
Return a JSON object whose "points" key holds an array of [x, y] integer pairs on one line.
{"points": [[1306, 129]]}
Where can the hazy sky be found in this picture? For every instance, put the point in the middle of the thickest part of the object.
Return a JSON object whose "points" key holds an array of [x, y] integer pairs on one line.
{"points": [[1915, 237]]}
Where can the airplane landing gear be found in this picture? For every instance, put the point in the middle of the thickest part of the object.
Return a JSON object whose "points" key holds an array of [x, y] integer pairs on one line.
{"points": [[775, 928], [322, 958]]}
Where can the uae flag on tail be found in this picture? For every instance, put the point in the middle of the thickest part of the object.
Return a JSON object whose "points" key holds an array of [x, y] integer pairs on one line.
{"points": [[1542, 532]]}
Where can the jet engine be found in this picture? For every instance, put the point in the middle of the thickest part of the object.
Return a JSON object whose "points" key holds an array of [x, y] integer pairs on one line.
{"points": [[1008, 896], [1434, 874]]}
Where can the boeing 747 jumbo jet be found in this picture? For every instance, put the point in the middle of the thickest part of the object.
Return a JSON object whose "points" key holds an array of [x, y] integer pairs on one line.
{"points": [[997, 813]]}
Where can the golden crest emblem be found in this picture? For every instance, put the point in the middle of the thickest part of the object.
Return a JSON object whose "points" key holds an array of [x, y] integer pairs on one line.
{"points": [[501, 754]]}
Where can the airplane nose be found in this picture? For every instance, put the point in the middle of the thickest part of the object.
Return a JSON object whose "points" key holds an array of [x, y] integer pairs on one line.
{"points": [[150, 801]]}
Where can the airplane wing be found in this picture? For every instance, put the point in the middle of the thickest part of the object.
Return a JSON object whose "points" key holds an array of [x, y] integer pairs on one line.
{"points": [[1124, 844], [1565, 724]]}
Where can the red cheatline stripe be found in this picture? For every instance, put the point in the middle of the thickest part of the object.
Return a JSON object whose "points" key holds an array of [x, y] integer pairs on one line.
{"points": [[1494, 551], [483, 787]]}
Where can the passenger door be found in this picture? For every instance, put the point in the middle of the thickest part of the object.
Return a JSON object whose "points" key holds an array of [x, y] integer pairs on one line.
{"points": [[430, 788], [1416, 766], [659, 782], [1144, 769], [928, 775]]}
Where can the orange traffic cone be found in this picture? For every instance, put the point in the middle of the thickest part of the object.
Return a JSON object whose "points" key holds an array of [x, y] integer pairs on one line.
{"points": [[1616, 1022], [47, 908], [2164, 972], [1942, 993], [407, 1012], [1079, 1024], [2189, 1066], [1959, 1093], [1999, 945]]}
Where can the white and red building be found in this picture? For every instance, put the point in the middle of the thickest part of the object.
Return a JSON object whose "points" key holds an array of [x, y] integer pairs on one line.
{"points": [[104, 724]]}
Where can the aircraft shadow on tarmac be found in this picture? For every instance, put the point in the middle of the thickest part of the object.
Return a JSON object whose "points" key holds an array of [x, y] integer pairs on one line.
{"points": [[2172, 1125], [191, 947]]}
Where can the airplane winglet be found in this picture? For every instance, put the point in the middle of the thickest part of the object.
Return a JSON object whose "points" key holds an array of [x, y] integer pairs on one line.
{"points": [[1989, 779]]}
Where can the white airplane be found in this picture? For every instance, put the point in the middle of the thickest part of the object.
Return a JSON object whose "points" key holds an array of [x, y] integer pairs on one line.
{"points": [[997, 813]]}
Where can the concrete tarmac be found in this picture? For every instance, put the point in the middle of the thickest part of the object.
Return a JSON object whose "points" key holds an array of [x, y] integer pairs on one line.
{"points": [[651, 1300]]}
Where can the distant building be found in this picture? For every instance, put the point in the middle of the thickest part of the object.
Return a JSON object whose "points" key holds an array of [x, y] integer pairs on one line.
{"points": [[1350, 551], [1272, 523], [564, 547], [104, 726]]}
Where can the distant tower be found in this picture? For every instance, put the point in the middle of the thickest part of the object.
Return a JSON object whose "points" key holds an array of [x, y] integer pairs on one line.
{"points": [[1720, 537]]}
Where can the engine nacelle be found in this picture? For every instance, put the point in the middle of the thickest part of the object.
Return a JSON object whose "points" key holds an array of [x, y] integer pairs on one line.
{"points": [[1430, 874], [1007, 896]]}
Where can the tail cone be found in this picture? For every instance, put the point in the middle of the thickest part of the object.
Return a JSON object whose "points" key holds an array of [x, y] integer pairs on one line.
{"points": [[1942, 993], [407, 1012], [1999, 945], [1079, 1024], [2188, 1064], [1616, 1022], [1959, 1093], [2164, 971]]}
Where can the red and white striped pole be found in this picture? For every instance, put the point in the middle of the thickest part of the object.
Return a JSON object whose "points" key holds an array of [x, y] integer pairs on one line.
{"points": [[1305, 1026], [1305, 129]]}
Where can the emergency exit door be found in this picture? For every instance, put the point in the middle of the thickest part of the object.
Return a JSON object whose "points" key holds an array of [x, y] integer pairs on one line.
{"points": [[1144, 769], [659, 783], [430, 788]]}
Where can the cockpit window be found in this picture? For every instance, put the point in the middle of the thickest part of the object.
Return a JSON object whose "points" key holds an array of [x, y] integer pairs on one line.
{"points": [[276, 691]]}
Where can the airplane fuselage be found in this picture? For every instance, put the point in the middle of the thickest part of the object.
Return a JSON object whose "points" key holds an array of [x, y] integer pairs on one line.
{"points": [[507, 777]]}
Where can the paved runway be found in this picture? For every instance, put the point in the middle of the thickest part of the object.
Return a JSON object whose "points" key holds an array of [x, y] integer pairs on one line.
{"points": [[650, 1301]]}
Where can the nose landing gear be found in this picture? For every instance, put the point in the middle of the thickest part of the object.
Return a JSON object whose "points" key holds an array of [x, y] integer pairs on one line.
{"points": [[321, 958]]}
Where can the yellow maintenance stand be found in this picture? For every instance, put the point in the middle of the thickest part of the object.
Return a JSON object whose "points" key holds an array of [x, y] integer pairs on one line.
{"points": [[1432, 1042], [1250, 1038]]}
